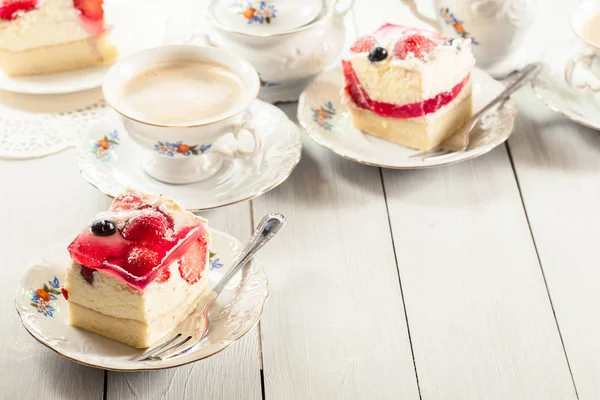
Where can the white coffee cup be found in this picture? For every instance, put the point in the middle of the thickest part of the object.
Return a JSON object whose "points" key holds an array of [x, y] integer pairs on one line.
{"points": [[590, 59], [186, 152]]}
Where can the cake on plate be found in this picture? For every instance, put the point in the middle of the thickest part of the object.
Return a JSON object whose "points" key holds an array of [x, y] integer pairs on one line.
{"points": [[408, 86], [45, 36], [137, 269]]}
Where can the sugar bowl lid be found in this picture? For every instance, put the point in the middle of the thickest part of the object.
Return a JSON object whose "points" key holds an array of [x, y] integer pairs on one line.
{"points": [[263, 17]]}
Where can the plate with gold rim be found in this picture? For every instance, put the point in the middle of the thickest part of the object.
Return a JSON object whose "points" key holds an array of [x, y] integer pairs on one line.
{"points": [[44, 313], [326, 119]]}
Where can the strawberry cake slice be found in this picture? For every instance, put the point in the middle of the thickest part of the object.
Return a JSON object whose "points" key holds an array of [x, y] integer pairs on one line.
{"points": [[409, 86], [137, 270], [45, 36]]}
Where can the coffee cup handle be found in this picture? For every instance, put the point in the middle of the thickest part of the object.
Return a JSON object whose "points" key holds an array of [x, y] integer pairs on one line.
{"points": [[222, 147], [412, 5], [586, 60]]}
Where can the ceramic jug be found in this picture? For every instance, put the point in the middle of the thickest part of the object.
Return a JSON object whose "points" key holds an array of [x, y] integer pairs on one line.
{"points": [[497, 29]]}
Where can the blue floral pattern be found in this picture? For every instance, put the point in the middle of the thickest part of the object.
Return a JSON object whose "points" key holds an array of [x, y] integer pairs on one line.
{"points": [[42, 298], [260, 13], [215, 263], [172, 149], [458, 25], [267, 84], [104, 148], [323, 115]]}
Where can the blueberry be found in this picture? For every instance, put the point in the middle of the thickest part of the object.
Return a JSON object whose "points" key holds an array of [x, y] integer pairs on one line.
{"points": [[103, 227], [377, 54]]}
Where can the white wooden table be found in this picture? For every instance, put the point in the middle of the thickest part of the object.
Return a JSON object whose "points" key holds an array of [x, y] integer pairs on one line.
{"points": [[475, 281]]}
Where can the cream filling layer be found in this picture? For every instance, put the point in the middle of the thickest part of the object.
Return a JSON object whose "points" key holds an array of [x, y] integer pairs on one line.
{"points": [[110, 295]]}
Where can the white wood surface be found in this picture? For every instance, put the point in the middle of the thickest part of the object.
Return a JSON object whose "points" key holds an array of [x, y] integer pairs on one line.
{"points": [[456, 248], [481, 322], [334, 327], [558, 166]]}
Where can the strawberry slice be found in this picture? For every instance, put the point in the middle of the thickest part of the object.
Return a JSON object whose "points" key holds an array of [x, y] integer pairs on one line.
{"points": [[163, 275], [151, 226], [417, 44], [141, 260], [364, 44], [92, 9], [194, 261], [126, 201], [10, 10]]}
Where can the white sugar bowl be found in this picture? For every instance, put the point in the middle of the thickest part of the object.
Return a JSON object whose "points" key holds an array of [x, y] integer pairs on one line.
{"points": [[286, 56]]}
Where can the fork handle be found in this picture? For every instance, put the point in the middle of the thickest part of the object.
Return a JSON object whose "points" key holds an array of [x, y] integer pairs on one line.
{"points": [[266, 229], [524, 76]]}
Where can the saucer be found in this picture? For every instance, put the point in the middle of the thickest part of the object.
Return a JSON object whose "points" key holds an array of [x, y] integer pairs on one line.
{"points": [[235, 312], [127, 37], [110, 160], [327, 121], [550, 87]]}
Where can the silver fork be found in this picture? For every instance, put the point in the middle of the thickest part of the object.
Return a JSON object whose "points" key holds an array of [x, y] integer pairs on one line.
{"points": [[450, 145], [194, 328]]}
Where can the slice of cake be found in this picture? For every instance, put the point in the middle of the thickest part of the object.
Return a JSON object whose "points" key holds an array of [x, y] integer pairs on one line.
{"points": [[137, 270], [45, 36], [409, 86]]}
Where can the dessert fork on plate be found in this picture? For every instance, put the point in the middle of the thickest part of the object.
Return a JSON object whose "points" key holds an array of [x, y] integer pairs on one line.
{"points": [[194, 328], [460, 140]]}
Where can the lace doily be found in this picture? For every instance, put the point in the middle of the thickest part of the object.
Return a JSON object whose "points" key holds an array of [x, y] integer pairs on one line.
{"points": [[29, 135]]}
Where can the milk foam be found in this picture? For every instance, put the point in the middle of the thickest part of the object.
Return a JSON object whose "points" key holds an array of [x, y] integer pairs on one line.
{"points": [[185, 92]]}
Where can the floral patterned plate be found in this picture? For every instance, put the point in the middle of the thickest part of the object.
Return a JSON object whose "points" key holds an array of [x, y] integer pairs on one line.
{"points": [[44, 313], [327, 121], [111, 161]]}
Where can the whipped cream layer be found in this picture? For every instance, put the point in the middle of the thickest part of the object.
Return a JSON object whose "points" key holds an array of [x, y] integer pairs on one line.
{"points": [[52, 22], [411, 79]]}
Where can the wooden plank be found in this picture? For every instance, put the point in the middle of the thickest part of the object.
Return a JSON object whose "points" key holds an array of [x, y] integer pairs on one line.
{"points": [[558, 167], [42, 201], [481, 322], [334, 327], [232, 374]]}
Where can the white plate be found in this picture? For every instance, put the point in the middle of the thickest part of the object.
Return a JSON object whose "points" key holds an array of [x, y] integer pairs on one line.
{"points": [[236, 311], [550, 87], [147, 31], [333, 129], [119, 167]]}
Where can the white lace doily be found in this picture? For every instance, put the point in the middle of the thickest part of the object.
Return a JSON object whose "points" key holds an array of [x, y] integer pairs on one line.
{"points": [[36, 134]]}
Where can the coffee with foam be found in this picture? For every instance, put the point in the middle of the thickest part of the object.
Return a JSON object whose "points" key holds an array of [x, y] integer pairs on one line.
{"points": [[183, 92]]}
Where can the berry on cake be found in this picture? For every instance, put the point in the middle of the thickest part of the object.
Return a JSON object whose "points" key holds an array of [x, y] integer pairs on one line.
{"points": [[45, 36], [409, 86], [137, 269]]}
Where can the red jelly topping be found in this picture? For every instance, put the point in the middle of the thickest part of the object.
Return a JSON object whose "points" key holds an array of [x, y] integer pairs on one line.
{"points": [[143, 246], [10, 10], [65, 293], [412, 110]]}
